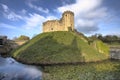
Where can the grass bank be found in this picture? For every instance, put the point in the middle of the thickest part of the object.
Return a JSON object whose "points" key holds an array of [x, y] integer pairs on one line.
{"points": [[60, 47]]}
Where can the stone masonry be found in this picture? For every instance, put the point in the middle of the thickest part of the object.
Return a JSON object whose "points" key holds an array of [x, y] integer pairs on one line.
{"points": [[66, 23]]}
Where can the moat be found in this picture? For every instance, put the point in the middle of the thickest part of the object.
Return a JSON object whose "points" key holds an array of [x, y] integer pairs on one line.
{"points": [[13, 70], [115, 53], [105, 70]]}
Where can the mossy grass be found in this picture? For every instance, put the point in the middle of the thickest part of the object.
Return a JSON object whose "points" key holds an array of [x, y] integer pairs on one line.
{"points": [[107, 70]]}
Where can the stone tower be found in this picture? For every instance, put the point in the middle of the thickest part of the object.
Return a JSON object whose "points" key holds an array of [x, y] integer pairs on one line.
{"points": [[66, 23], [68, 20]]}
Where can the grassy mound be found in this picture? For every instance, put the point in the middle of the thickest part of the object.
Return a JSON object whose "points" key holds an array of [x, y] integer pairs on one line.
{"points": [[59, 47]]}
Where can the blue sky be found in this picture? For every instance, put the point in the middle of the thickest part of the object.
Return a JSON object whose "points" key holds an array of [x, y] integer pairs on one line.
{"points": [[25, 17]]}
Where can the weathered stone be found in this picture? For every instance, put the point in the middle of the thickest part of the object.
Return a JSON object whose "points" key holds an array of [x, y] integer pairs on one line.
{"points": [[66, 23]]}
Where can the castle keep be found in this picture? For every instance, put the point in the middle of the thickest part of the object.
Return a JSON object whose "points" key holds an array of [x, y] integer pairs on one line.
{"points": [[66, 23]]}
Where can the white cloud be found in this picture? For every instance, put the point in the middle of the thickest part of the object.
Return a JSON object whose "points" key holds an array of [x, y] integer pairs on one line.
{"points": [[13, 16], [38, 8], [81, 6], [5, 7], [50, 18], [98, 13], [87, 12], [82, 22], [86, 26], [9, 14], [33, 20], [2, 25], [23, 11]]}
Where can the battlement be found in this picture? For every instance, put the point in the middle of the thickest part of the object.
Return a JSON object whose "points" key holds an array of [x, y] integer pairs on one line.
{"points": [[66, 23], [49, 21], [68, 12]]}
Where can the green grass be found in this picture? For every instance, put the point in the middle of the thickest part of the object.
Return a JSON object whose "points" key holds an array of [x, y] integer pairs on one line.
{"points": [[92, 71], [101, 47], [58, 47]]}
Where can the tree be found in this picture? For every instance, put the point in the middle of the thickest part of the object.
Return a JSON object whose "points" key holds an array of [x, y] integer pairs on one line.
{"points": [[23, 37], [100, 37]]}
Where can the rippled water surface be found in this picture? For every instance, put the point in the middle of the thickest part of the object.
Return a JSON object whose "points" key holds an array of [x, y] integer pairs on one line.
{"points": [[12, 70]]}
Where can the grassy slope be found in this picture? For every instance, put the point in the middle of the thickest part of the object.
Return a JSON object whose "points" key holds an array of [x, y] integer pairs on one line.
{"points": [[101, 47], [57, 47]]}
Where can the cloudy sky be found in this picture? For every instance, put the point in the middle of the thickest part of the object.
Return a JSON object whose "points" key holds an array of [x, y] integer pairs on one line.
{"points": [[25, 17]]}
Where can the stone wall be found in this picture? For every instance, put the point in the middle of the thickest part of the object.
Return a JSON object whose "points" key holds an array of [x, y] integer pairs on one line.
{"points": [[53, 25], [66, 23]]}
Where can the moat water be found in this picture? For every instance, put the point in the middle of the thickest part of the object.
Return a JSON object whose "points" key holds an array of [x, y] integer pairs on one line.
{"points": [[115, 53], [13, 70]]}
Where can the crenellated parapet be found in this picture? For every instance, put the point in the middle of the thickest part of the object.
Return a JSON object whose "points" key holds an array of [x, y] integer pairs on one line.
{"points": [[68, 12], [49, 21]]}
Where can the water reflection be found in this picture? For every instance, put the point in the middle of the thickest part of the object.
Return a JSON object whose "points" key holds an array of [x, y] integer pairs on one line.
{"points": [[12, 70]]}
